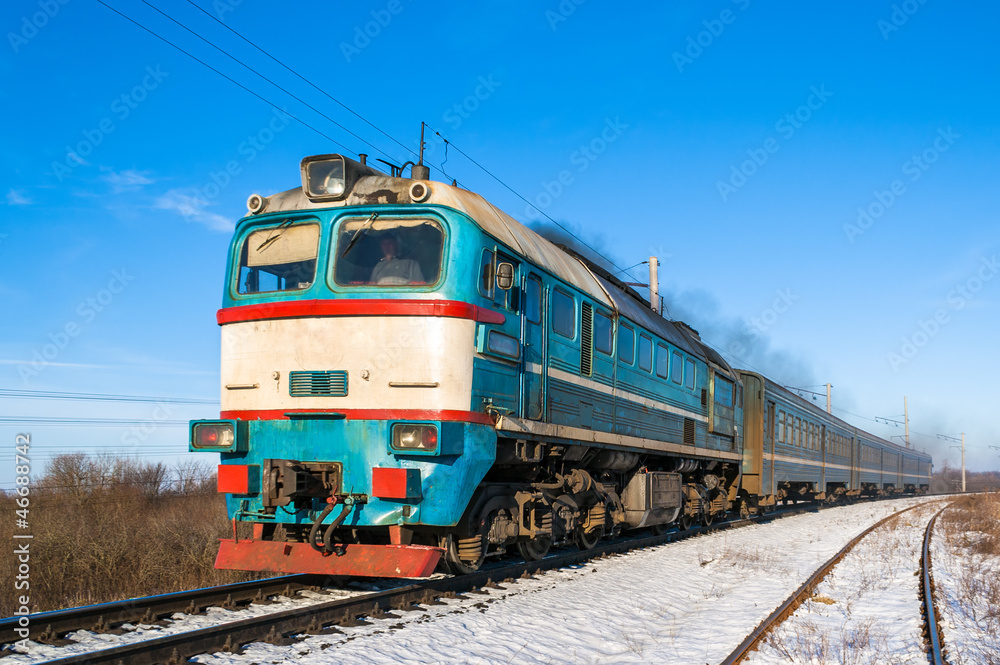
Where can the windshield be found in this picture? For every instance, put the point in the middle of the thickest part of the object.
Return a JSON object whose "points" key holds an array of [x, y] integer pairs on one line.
{"points": [[388, 252], [279, 258]]}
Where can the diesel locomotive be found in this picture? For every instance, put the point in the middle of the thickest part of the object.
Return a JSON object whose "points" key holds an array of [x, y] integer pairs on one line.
{"points": [[411, 378]]}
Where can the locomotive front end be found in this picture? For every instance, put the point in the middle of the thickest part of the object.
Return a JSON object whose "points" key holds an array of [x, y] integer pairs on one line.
{"points": [[346, 437]]}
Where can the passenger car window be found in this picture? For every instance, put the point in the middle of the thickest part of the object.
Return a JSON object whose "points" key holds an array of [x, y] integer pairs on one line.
{"points": [[626, 344], [563, 314], [603, 333], [662, 357], [278, 258], [645, 353]]}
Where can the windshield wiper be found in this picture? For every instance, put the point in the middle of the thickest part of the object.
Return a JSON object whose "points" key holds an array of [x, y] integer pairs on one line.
{"points": [[277, 234], [360, 232]]}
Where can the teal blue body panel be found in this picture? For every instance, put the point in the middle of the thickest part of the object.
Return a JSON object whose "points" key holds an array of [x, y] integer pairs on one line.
{"points": [[447, 480]]}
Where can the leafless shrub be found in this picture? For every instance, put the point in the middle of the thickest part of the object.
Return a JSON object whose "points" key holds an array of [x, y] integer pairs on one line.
{"points": [[971, 530], [112, 528]]}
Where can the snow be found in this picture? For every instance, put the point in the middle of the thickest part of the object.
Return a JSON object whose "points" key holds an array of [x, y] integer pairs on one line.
{"points": [[867, 610], [688, 602], [965, 581], [87, 641]]}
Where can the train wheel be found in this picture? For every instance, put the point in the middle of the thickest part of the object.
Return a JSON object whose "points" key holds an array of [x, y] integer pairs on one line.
{"points": [[707, 518], [659, 529], [585, 540], [464, 555], [686, 522], [534, 549]]}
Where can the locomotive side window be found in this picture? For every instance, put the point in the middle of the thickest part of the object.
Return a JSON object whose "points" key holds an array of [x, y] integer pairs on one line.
{"points": [[781, 426], [689, 373], [603, 333], [677, 371], [626, 344], [279, 258], [563, 314], [662, 361], [388, 252], [645, 353], [533, 300]]}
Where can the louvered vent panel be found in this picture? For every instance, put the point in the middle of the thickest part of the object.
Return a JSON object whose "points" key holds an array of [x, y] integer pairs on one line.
{"points": [[587, 341], [704, 397], [331, 383], [689, 431]]}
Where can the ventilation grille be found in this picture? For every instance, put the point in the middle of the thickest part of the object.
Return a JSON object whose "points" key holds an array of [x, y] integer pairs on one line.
{"points": [[704, 397], [689, 431], [587, 341], [318, 384]]}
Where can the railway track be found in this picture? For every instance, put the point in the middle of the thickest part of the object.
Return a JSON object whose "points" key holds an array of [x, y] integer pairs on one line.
{"points": [[932, 623], [277, 627], [804, 592]]}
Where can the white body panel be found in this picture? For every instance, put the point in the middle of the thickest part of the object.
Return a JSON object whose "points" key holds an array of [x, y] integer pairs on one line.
{"points": [[402, 350]]}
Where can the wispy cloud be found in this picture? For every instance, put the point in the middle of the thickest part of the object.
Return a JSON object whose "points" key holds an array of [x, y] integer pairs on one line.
{"points": [[129, 179], [192, 206], [16, 198]]}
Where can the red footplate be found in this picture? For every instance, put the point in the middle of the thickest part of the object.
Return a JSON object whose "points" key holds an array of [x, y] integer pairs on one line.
{"points": [[356, 560]]}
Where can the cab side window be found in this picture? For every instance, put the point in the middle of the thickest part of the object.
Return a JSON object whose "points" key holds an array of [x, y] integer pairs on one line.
{"points": [[486, 280], [533, 300]]}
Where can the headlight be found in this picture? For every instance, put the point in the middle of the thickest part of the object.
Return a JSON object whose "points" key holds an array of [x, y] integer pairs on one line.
{"points": [[414, 437], [324, 177], [213, 436]]}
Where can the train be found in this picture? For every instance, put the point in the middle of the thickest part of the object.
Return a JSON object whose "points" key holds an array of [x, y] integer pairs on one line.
{"points": [[412, 380]]}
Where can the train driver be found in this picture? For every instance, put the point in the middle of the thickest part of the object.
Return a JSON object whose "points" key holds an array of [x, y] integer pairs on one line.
{"points": [[391, 269]]}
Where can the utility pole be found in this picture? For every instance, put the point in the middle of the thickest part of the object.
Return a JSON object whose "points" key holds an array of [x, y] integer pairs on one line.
{"points": [[829, 402], [906, 419], [963, 461], [654, 284]]}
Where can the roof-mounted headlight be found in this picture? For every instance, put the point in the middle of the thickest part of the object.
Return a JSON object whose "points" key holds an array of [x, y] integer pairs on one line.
{"points": [[331, 177]]}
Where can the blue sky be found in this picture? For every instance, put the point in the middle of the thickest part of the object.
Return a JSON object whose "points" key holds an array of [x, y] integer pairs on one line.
{"points": [[817, 179]]}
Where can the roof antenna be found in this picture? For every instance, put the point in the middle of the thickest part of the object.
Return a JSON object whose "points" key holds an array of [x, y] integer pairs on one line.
{"points": [[418, 171]]}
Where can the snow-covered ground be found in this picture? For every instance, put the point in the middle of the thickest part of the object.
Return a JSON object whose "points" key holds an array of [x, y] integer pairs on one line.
{"points": [[867, 610], [87, 641], [967, 587], [690, 602]]}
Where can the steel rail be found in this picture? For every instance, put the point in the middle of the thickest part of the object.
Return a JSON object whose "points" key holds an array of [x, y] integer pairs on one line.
{"points": [[277, 627], [788, 607], [932, 623], [49, 626]]}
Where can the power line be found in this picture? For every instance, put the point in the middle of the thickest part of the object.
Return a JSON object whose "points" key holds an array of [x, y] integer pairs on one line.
{"points": [[248, 67], [100, 397], [302, 78], [271, 104], [511, 190], [100, 422]]}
